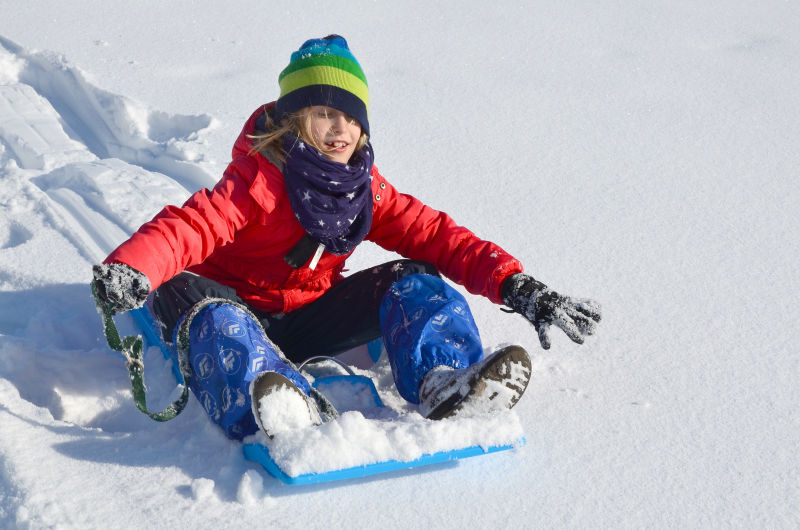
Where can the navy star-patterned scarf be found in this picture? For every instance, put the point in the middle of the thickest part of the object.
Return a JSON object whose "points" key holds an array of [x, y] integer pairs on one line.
{"points": [[332, 201]]}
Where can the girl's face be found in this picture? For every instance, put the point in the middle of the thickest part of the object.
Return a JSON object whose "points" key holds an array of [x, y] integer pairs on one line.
{"points": [[335, 133]]}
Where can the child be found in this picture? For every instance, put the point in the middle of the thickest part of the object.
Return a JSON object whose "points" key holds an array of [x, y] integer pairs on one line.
{"points": [[251, 272]]}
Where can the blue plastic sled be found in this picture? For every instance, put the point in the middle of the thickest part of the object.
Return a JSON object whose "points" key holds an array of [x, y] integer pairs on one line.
{"points": [[366, 396], [260, 453]]}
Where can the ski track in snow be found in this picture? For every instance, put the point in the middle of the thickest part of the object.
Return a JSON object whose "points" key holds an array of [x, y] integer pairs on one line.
{"points": [[82, 169], [83, 147]]}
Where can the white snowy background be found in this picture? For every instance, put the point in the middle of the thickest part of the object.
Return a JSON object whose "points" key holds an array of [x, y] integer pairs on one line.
{"points": [[644, 154]]}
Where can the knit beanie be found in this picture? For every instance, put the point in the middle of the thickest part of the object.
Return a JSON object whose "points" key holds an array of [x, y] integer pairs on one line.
{"points": [[324, 72]]}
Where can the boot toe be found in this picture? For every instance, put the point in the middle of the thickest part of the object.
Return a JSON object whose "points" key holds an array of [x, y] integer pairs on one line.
{"points": [[496, 383]]}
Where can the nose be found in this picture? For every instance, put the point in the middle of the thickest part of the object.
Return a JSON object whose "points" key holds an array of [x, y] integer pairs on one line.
{"points": [[338, 122]]}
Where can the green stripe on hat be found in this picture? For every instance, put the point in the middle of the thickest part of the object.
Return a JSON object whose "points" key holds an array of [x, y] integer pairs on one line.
{"points": [[325, 75], [334, 61]]}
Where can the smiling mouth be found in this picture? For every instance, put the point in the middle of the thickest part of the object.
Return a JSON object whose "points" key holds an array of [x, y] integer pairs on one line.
{"points": [[336, 146]]}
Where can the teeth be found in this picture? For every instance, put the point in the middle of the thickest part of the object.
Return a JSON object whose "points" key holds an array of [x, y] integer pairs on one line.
{"points": [[338, 144]]}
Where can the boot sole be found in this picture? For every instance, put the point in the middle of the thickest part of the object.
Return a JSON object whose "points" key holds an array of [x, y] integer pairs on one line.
{"points": [[498, 367], [268, 382]]}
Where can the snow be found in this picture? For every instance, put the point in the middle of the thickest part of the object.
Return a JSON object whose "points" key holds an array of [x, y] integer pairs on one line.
{"points": [[641, 154], [284, 410], [352, 440]]}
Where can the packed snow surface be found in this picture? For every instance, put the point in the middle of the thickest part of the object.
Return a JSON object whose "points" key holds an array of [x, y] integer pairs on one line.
{"points": [[643, 154]]}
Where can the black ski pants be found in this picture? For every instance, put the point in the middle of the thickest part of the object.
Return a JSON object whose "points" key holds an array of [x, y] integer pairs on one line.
{"points": [[344, 317]]}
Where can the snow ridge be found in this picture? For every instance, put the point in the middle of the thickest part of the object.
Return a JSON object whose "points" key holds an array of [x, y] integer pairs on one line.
{"points": [[109, 125], [86, 149]]}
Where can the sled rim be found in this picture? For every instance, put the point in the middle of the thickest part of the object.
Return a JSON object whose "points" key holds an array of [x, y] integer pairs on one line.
{"points": [[260, 453]]}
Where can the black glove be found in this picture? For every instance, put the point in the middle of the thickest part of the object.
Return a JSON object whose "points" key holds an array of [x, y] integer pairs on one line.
{"points": [[544, 307], [120, 287]]}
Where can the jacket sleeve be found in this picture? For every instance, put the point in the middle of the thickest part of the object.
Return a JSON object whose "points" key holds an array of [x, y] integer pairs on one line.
{"points": [[177, 238], [403, 224]]}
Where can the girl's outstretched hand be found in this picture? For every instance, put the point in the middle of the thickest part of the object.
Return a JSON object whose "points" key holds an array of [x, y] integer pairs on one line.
{"points": [[120, 286], [544, 307]]}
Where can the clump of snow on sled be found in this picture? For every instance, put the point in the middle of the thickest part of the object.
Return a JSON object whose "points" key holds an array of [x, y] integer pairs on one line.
{"points": [[353, 440], [284, 409]]}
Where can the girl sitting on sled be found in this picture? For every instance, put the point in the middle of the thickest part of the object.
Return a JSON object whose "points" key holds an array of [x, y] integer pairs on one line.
{"points": [[251, 272]]}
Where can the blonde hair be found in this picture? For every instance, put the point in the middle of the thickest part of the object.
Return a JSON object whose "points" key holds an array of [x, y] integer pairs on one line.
{"points": [[298, 123]]}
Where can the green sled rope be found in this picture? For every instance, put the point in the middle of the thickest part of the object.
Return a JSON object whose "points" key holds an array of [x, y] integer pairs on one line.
{"points": [[131, 348]]}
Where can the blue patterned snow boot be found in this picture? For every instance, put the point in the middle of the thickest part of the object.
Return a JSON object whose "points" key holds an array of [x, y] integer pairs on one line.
{"points": [[426, 324], [226, 348]]}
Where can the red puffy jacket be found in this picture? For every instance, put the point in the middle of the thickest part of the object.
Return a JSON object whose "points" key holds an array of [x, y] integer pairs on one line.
{"points": [[239, 232]]}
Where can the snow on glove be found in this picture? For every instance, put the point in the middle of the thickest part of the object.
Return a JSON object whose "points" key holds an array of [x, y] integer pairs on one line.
{"points": [[120, 286], [544, 307]]}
